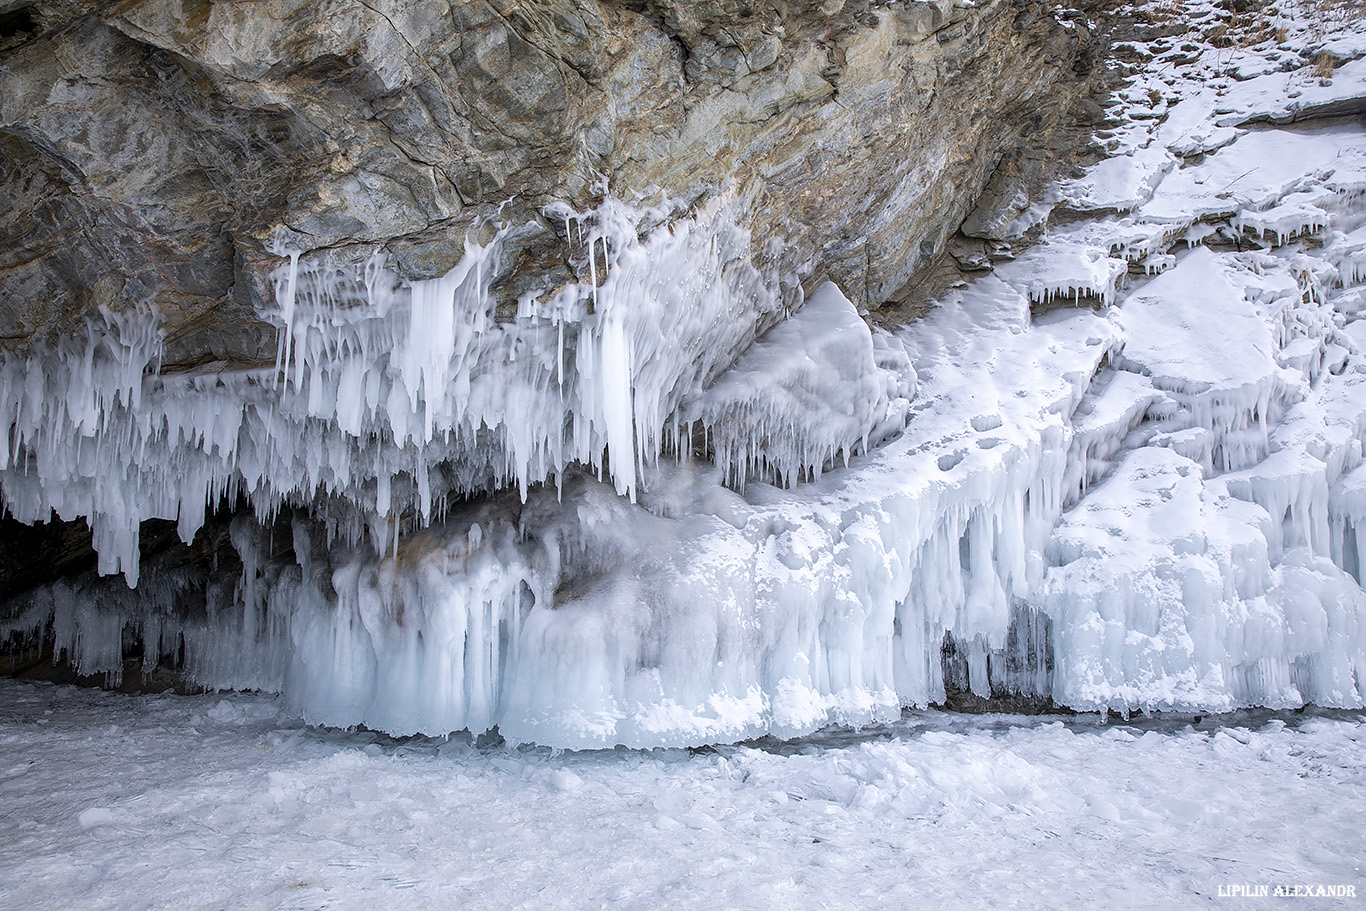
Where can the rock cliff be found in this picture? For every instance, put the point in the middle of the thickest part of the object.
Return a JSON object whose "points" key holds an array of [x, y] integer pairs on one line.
{"points": [[153, 152]]}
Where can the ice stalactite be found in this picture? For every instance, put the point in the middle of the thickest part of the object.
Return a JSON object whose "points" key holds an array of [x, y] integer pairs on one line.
{"points": [[76, 422], [388, 396]]}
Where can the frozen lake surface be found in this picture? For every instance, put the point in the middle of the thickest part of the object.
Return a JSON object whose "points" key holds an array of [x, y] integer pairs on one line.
{"points": [[163, 801]]}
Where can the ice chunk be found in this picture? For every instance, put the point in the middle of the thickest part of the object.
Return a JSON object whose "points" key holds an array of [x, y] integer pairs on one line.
{"points": [[96, 816], [1114, 405], [1347, 251], [1193, 332], [1060, 270], [807, 393], [1348, 507]]}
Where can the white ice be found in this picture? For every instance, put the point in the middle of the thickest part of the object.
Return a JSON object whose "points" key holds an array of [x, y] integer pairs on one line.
{"points": [[116, 802], [1170, 483], [773, 413]]}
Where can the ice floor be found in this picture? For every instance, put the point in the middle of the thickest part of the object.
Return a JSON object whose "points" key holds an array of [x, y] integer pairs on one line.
{"points": [[207, 802]]}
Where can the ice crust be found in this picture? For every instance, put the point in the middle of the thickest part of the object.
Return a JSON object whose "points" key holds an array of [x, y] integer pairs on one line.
{"points": [[687, 529], [223, 801]]}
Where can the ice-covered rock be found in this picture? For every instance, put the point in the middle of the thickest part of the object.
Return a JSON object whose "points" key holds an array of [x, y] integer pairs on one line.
{"points": [[1119, 184], [628, 514], [810, 391], [1195, 335], [1260, 170], [1059, 270]]}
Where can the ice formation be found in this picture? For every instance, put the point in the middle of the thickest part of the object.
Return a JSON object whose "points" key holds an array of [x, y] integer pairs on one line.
{"points": [[1153, 503], [816, 387], [1061, 270], [387, 397]]}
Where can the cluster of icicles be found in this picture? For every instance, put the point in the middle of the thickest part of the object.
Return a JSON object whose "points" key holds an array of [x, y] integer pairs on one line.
{"points": [[391, 397]]}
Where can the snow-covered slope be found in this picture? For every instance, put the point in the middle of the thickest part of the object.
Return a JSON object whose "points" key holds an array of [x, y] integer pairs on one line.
{"points": [[1163, 495]]}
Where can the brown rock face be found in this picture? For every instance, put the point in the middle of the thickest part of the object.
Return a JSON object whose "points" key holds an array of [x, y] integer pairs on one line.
{"points": [[151, 149]]}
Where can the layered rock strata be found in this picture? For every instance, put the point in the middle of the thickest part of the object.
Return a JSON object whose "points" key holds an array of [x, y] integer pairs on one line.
{"points": [[152, 151]]}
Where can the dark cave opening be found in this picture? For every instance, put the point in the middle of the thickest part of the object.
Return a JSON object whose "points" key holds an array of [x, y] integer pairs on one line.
{"points": [[43, 563], [18, 22]]}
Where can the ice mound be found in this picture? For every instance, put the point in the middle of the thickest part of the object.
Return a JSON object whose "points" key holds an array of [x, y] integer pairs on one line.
{"points": [[1192, 331], [810, 391], [1158, 603], [578, 619]]}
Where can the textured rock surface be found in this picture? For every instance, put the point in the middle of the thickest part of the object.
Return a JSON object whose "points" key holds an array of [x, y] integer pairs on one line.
{"points": [[150, 149]]}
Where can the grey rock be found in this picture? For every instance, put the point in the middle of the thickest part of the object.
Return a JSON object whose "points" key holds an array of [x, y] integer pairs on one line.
{"points": [[151, 149]]}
